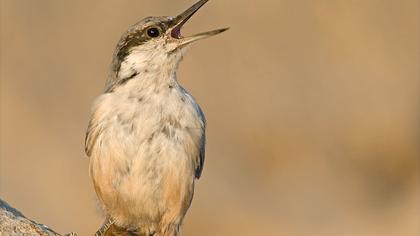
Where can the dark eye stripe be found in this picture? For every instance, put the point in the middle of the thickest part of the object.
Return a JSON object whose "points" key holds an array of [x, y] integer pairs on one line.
{"points": [[137, 36]]}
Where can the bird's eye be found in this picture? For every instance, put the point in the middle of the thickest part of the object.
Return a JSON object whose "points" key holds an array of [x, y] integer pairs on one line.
{"points": [[153, 32]]}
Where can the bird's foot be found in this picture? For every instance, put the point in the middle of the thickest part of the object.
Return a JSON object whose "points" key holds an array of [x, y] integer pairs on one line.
{"points": [[104, 228], [71, 234]]}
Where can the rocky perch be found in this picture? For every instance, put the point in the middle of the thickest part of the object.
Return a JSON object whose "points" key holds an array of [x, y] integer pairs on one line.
{"points": [[13, 222]]}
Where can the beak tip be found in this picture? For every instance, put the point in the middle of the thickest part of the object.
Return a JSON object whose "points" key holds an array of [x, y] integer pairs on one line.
{"points": [[224, 29]]}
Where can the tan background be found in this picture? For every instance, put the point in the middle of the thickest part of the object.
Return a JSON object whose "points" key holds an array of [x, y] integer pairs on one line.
{"points": [[312, 109]]}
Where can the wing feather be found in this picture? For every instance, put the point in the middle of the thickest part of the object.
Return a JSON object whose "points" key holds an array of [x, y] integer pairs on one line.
{"points": [[201, 143]]}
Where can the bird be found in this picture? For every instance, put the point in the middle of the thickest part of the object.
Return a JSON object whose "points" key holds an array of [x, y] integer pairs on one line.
{"points": [[146, 134]]}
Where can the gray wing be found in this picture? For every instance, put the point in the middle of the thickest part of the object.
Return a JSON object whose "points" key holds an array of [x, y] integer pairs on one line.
{"points": [[201, 143], [92, 134], [94, 129]]}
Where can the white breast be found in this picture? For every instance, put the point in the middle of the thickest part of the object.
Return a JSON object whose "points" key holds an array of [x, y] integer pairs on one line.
{"points": [[147, 147]]}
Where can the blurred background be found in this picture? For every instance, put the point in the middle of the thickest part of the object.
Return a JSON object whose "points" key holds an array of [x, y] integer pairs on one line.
{"points": [[312, 109]]}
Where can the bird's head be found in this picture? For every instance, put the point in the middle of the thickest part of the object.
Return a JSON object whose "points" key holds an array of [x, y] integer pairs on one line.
{"points": [[155, 44]]}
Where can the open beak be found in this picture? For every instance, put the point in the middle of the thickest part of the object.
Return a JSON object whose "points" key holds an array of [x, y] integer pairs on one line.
{"points": [[182, 18]]}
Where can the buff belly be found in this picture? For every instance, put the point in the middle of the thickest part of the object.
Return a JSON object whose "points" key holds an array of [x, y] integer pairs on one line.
{"points": [[145, 180]]}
